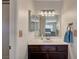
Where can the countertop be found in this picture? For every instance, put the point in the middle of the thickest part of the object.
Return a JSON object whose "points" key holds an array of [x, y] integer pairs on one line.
{"points": [[47, 42]]}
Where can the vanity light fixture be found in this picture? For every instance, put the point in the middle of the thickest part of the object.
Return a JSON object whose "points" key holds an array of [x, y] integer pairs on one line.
{"points": [[47, 12]]}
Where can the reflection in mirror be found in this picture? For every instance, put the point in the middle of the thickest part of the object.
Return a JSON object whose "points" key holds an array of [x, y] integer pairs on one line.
{"points": [[33, 22], [49, 25]]}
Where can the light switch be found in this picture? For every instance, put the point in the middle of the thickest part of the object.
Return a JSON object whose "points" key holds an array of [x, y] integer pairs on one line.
{"points": [[20, 33]]}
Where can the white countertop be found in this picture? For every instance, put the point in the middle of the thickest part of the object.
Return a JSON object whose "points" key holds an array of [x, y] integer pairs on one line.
{"points": [[46, 42]]}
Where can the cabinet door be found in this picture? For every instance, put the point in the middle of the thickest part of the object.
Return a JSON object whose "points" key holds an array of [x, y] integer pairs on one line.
{"points": [[38, 56], [57, 56]]}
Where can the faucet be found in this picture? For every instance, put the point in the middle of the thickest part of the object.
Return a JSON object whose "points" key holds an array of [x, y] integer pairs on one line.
{"points": [[41, 37], [48, 38]]}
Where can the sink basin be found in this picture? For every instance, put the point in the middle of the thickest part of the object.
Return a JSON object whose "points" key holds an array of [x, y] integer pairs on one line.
{"points": [[47, 41]]}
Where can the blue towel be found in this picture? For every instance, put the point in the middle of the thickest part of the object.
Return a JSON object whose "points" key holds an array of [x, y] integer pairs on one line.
{"points": [[68, 37]]}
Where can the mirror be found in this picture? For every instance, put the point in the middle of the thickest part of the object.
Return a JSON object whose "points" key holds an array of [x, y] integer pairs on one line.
{"points": [[45, 25], [33, 22]]}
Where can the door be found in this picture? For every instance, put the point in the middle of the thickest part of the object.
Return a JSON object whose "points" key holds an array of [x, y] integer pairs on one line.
{"points": [[5, 30]]}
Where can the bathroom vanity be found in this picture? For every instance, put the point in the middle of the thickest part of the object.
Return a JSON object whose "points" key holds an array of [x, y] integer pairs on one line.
{"points": [[47, 51]]}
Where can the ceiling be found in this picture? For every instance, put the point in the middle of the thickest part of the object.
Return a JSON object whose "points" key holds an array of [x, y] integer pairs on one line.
{"points": [[48, 0]]}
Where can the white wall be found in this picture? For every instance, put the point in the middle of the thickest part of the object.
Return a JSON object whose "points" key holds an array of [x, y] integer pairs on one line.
{"points": [[69, 15], [12, 41], [19, 21], [22, 24]]}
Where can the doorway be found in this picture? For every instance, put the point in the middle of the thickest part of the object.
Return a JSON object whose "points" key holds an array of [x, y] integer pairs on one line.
{"points": [[5, 29]]}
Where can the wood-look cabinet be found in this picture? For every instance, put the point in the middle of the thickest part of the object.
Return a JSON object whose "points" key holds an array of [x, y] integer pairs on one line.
{"points": [[47, 51]]}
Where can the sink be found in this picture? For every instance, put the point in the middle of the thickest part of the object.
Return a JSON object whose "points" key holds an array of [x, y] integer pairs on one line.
{"points": [[47, 41]]}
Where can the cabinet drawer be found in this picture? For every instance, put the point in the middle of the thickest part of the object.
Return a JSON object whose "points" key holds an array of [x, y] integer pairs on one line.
{"points": [[48, 48], [52, 49], [44, 48], [62, 48], [34, 48]]}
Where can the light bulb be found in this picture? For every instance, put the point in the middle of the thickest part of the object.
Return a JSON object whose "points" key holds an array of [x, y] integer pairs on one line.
{"points": [[45, 13], [42, 13], [49, 13], [53, 13]]}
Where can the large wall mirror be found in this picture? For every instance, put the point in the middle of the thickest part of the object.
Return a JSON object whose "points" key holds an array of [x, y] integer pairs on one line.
{"points": [[45, 25]]}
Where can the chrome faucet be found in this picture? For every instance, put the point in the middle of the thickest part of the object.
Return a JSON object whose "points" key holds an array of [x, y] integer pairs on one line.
{"points": [[48, 38]]}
